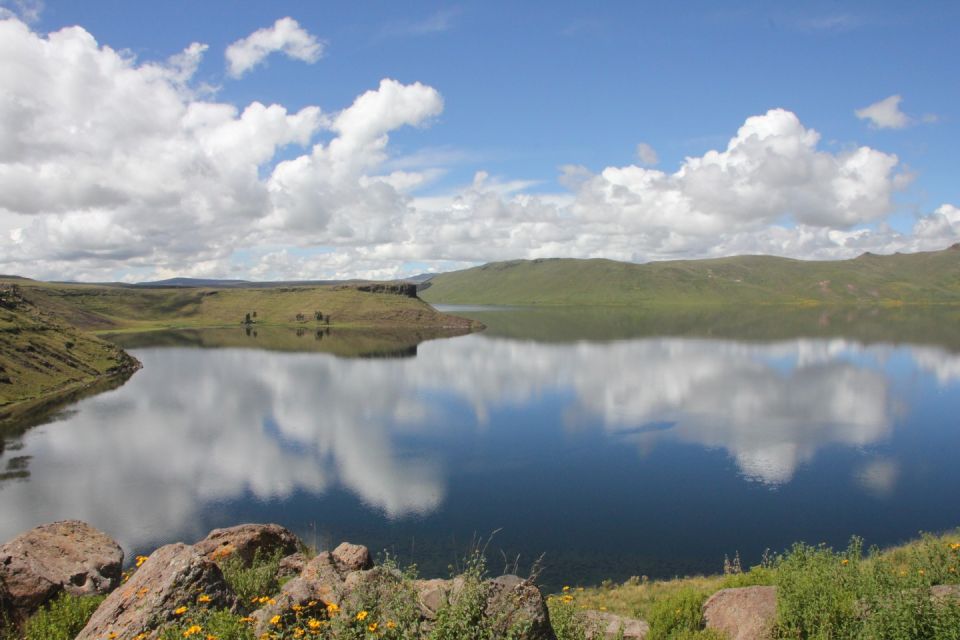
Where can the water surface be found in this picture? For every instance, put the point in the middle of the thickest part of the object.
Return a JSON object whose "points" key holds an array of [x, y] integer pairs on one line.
{"points": [[620, 450]]}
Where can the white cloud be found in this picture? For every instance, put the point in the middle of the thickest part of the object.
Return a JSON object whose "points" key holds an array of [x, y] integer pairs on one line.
{"points": [[647, 154], [27, 10], [111, 167], [885, 114], [285, 36]]}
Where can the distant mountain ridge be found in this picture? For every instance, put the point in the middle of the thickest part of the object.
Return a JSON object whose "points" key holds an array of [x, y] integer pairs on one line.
{"points": [[919, 278]]}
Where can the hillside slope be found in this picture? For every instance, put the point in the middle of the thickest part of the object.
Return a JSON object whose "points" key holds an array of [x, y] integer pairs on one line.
{"points": [[41, 356], [100, 308], [919, 278]]}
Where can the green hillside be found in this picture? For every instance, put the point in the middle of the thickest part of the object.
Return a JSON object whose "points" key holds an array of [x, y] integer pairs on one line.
{"points": [[919, 278], [42, 358], [100, 308]]}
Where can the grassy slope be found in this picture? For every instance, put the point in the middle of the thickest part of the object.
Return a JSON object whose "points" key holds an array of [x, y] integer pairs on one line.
{"points": [[41, 356], [870, 279], [106, 308]]}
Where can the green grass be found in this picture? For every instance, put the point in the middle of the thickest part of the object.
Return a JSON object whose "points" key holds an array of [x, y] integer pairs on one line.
{"points": [[42, 356], [101, 308], [822, 593], [930, 277]]}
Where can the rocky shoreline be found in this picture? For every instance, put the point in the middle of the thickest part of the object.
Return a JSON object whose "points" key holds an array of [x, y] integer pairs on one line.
{"points": [[74, 558]]}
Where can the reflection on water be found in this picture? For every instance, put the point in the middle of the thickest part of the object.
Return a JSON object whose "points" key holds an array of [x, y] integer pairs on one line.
{"points": [[635, 447]]}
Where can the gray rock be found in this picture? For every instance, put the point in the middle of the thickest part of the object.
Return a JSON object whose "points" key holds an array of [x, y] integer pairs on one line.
{"points": [[173, 576], [67, 556], [291, 566], [746, 613], [516, 607], [433, 594], [310, 596], [601, 625], [243, 541], [352, 557]]}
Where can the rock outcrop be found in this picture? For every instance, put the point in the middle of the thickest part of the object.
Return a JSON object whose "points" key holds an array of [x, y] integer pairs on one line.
{"points": [[245, 540], [174, 576], [66, 556], [747, 613]]}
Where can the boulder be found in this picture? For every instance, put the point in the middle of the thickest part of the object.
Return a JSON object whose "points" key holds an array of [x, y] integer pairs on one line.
{"points": [[517, 609], [245, 540], [352, 557], [174, 576], [67, 556], [601, 625], [747, 613], [291, 566], [433, 594]]}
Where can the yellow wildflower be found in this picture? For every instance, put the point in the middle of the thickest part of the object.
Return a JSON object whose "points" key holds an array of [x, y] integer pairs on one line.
{"points": [[247, 619], [566, 588], [372, 627], [332, 608], [193, 629], [313, 623], [312, 603], [179, 611], [299, 633], [567, 599], [141, 560], [297, 607], [362, 615], [391, 624], [204, 598], [275, 620], [844, 562]]}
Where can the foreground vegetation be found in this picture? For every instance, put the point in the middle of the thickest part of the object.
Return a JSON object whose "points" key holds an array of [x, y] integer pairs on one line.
{"points": [[919, 278], [821, 593]]}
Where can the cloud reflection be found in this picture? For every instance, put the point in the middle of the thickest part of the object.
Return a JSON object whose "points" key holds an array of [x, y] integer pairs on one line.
{"points": [[196, 428]]}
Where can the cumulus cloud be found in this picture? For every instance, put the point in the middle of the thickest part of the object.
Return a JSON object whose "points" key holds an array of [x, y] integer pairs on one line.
{"points": [[885, 114], [286, 36], [112, 168]]}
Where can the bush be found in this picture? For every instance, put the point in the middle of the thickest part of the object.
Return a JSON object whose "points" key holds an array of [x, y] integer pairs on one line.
{"points": [[259, 579], [62, 619], [677, 616]]}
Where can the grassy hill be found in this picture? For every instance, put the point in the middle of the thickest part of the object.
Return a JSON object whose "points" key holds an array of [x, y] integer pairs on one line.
{"points": [[100, 308], [919, 278], [42, 358]]}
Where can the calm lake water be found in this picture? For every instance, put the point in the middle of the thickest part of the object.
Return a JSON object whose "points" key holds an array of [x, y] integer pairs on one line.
{"points": [[615, 444]]}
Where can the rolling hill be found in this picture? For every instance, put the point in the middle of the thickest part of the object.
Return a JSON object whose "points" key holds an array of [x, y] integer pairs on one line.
{"points": [[870, 279]]}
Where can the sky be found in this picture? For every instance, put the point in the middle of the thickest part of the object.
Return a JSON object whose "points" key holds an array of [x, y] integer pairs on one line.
{"points": [[321, 140]]}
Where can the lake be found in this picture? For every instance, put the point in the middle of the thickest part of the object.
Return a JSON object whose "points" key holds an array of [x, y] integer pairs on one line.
{"points": [[615, 443]]}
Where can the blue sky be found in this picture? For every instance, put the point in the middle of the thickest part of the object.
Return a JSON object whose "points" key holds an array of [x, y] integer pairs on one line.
{"points": [[520, 140]]}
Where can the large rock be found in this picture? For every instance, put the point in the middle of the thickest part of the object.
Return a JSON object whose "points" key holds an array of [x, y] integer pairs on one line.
{"points": [[352, 557], [601, 625], [173, 576], [514, 604], [433, 594], [67, 556], [243, 541], [747, 613]]}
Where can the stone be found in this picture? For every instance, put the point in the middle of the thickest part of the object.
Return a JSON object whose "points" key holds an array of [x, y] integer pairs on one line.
{"points": [[291, 566], [601, 625], [245, 540], [433, 594], [322, 570], [67, 556], [352, 557], [747, 613], [942, 592], [174, 576], [514, 603]]}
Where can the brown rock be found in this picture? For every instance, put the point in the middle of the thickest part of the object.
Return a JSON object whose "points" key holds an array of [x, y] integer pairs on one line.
{"points": [[747, 613], [517, 609], [601, 625], [310, 596], [173, 576], [243, 541], [352, 557], [67, 556], [945, 592], [433, 594], [291, 566], [323, 571]]}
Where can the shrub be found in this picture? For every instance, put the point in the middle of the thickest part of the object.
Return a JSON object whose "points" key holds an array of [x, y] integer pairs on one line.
{"points": [[677, 616], [258, 579], [62, 619]]}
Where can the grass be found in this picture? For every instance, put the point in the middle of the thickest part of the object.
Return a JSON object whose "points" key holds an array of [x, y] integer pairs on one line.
{"points": [[930, 277], [822, 593], [62, 619], [41, 356]]}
